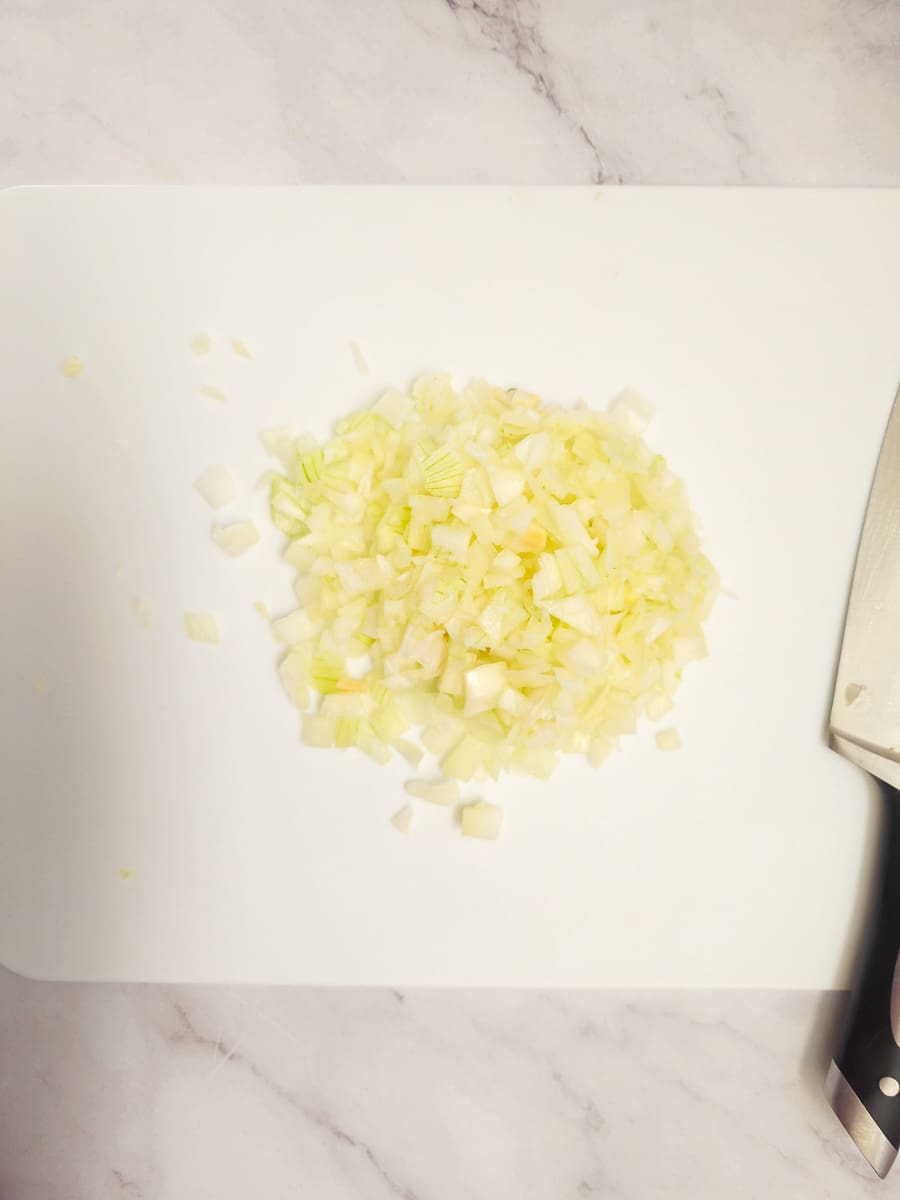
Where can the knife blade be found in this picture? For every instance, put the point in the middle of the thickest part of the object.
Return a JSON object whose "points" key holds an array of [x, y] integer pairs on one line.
{"points": [[863, 1080]]}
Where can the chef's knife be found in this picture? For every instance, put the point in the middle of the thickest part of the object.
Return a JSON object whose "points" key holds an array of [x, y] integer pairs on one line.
{"points": [[863, 1081]]}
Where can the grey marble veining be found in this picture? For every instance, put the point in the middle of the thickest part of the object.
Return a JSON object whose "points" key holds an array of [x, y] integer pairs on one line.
{"points": [[186, 1094], [473, 91], [162, 1093]]}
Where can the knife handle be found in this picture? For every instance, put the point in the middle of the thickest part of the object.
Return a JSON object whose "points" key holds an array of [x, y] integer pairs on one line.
{"points": [[864, 1079]]}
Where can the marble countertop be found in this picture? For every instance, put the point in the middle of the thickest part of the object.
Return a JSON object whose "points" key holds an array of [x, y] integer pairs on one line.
{"points": [[175, 1093]]}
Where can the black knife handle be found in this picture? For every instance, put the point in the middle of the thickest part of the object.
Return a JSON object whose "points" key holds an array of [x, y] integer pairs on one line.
{"points": [[868, 1057]]}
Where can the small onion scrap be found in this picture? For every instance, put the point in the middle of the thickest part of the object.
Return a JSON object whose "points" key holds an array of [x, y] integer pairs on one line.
{"points": [[481, 820], [201, 627], [237, 538], [216, 486]]}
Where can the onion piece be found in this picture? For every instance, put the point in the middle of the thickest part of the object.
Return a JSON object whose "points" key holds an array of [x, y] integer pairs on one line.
{"points": [[294, 629], [402, 819], [410, 751], [294, 672], [216, 486], [446, 791], [484, 687], [237, 538], [481, 820], [143, 611], [201, 627], [318, 730], [668, 739]]}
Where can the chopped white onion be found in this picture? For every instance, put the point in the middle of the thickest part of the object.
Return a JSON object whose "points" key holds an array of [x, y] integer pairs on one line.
{"points": [[359, 360], [633, 408], [295, 629], [294, 672], [668, 739], [517, 579], [482, 820], [143, 612], [410, 751], [216, 486], [237, 538], [201, 627], [446, 791], [402, 819]]}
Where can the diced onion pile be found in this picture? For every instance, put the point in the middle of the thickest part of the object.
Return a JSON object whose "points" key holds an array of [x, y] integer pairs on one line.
{"points": [[508, 579]]}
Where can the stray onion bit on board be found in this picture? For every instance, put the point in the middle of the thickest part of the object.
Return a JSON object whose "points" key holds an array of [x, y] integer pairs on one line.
{"points": [[359, 359], [72, 367], [236, 538], [410, 751], [143, 611], [668, 739], [481, 820], [446, 791], [216, 486], [402, 819], [201, 343], [213, 393], [201, 627], [512, 579]]}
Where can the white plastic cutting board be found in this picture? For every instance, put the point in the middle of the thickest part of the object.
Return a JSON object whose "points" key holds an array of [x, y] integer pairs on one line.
{"points": [[765, 328]]}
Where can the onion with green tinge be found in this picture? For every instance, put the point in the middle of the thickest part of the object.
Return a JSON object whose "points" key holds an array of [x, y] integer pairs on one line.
{"points": [[509, 579]]}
